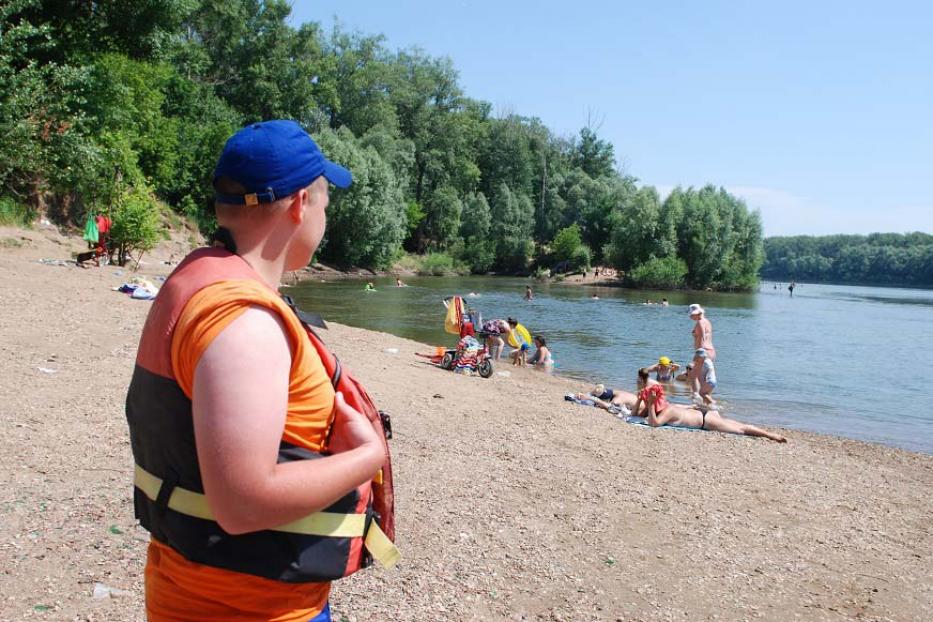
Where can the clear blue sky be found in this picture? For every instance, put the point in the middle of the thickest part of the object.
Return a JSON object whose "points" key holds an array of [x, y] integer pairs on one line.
{"points": [[819, 113]]}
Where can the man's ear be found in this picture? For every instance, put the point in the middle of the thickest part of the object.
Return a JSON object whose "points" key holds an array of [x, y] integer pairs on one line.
{"points": [[296, 206]]}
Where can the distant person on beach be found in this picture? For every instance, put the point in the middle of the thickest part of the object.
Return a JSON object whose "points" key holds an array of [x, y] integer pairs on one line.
{"points": [[494, 329], [541, 359], [704, 377], [659, 411], [702, 331], [791, 287], [596, 272], [664, 369], [241, 430], [529, 295]]}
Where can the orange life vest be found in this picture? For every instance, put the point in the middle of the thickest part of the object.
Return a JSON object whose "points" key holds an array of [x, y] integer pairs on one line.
{"points": [[169, 494]]}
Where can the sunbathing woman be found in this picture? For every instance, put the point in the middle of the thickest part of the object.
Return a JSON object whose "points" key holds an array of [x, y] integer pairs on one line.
{"points": [[660, 412]]}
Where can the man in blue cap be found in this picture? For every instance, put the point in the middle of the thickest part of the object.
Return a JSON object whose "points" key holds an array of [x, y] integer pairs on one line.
{"points": [[230, 397]]}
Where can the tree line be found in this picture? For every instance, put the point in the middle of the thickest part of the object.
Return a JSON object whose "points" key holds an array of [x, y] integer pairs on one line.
{"points": [[115, 106], [878, 259]]}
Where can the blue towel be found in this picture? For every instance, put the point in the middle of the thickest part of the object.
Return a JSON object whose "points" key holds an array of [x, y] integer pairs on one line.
{"points": [[644, 422]]}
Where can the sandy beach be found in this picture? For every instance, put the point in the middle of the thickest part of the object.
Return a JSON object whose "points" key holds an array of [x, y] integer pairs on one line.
{"points": [[512, 503]]}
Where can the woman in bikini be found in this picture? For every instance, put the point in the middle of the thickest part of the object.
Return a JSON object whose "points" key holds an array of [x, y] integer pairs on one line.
{"points": [[659, 412]]}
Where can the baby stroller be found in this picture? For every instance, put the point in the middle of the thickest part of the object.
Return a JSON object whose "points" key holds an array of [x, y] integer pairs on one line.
{"points": [[470, 353]]}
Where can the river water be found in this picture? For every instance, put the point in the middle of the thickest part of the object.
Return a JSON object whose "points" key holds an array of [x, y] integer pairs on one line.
{"points": [[842, 360]]}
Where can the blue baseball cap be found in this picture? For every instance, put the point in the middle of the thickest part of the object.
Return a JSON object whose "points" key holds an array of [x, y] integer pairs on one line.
{"points": [[273, 160]]}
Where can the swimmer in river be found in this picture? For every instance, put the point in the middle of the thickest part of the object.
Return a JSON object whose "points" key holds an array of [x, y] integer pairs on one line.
{"points": [[529, 295]]}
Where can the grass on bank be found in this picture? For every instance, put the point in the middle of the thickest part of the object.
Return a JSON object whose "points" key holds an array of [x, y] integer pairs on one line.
{"points": [[13, 214], [431, 264]]}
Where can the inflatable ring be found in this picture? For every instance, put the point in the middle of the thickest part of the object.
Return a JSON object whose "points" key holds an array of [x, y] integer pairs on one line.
{"points": [[523, 333]]}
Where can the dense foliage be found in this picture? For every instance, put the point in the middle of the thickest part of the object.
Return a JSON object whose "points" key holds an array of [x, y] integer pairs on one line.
{"points": [[879, 259], [105, 100]]}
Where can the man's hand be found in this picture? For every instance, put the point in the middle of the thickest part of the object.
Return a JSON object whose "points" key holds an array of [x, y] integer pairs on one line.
{"points": [[353, 430]]}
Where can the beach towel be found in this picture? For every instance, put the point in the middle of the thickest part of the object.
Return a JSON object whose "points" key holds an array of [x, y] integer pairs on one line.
{"points": [[454, 319], [644, 422], [91, 233]]}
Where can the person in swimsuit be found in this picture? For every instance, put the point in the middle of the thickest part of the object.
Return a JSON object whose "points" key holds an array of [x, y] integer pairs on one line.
{"points": [[608, 399], [664, 369], [659, 412], [541, 359], [519, 354], [702, 331], [704, 377], [494, 329]]}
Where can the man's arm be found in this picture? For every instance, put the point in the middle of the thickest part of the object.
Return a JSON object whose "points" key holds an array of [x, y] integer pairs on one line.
{"points": [[240, 397]]}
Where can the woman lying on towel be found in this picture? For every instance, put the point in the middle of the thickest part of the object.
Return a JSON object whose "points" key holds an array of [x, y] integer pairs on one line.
{"points": [[660, 412]]}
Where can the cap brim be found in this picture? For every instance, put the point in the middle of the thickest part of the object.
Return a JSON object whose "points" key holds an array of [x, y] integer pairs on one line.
{"points": [[337, 175]]}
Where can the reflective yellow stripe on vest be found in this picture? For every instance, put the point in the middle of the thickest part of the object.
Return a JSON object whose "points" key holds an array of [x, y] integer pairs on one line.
{"points": [[327, 524]]}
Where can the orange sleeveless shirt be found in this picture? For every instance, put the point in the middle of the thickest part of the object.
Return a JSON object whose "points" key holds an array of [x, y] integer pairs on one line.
{"points": [[178, 590]]}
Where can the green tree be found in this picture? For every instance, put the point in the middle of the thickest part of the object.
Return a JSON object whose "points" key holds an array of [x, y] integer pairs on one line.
{"points": [[136, 223], [658, 273], [477, 249], [442, 223], [366, 222], [637, 234], [594, 156], [512, 227]]}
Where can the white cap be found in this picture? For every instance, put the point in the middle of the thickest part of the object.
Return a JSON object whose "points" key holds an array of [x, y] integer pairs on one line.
{"points": [[694, 309]]}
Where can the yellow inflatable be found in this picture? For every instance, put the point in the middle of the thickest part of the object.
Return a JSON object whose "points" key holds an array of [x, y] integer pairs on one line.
{"points": [[522, 332]]}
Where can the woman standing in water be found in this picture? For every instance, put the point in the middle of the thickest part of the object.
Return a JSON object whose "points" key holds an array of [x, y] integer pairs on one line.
{"points": [[702, 331]]}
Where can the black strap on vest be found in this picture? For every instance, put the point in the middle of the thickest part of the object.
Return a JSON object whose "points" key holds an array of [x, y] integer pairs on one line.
{"points": [[308, 319], [165, 491]]}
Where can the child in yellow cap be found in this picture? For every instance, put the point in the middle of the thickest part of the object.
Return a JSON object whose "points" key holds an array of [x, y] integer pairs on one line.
{"points": [[664, 369]]}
